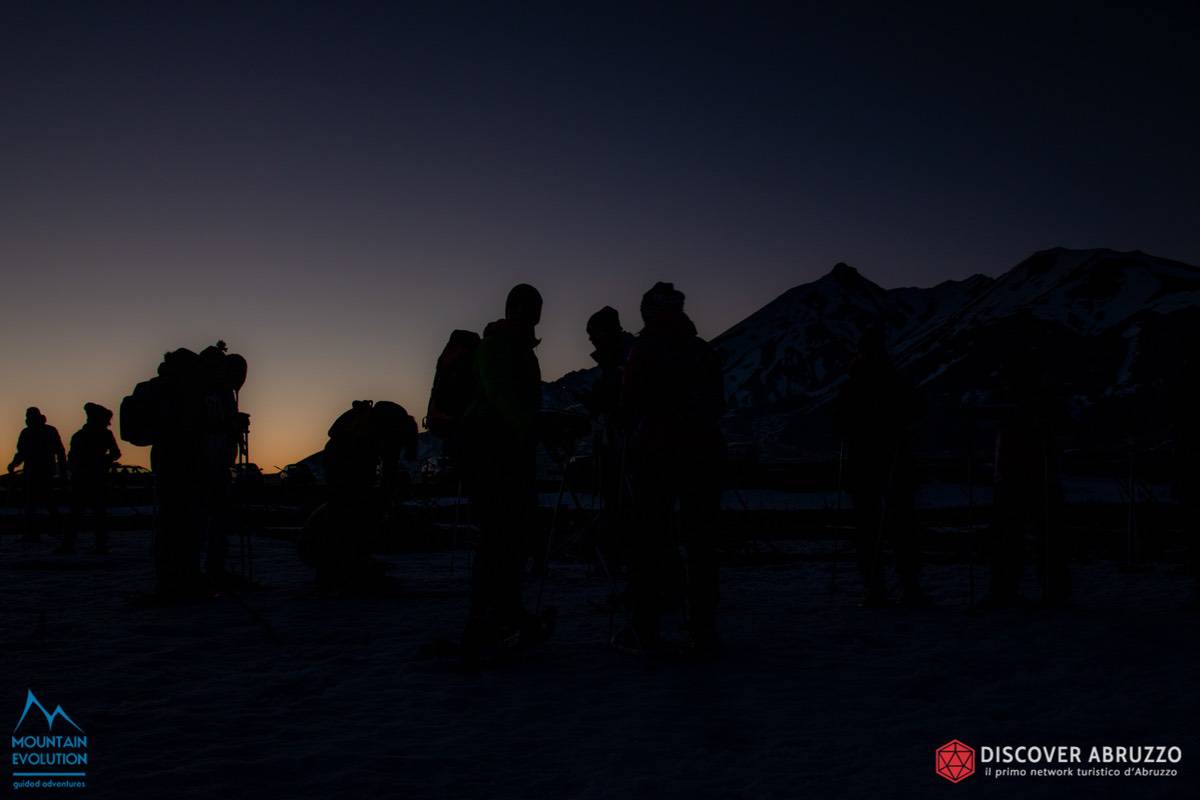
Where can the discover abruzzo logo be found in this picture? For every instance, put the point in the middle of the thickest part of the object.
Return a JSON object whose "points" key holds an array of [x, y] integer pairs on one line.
{"points": [[955, 761], [46, 755]]}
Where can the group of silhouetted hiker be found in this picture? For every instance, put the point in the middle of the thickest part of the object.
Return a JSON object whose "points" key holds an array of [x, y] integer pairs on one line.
{"points": [[656, 403], [41, 455], [655, 410]]}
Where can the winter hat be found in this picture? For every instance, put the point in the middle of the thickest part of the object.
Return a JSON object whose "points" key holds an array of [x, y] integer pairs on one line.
{"points": [[604, 321], [663, 298], [98, 413]]}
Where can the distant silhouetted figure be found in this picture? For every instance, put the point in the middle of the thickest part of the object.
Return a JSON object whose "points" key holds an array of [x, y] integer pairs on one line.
{"points": [[499, 451], [673, 397], [1027, 491], [874, 415], [93, 452], [362, 471], [612, 345], [1184, 397], [40, 451]]}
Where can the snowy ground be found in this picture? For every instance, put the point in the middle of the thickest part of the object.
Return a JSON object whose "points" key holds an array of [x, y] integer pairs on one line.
{"points": [[287, 695]]}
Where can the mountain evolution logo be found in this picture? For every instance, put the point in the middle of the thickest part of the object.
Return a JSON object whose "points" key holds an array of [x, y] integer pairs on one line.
{"points": [[31, 701], [55, 759]]}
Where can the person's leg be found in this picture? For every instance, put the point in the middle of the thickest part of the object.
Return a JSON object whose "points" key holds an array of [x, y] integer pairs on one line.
{"points": [[79, 509], [700, 506], [1052, 548], [178, 539], [99, 502], [906, 541], [482, 616], [868, 516], [652, 519], [32, 498], [216, 525]]}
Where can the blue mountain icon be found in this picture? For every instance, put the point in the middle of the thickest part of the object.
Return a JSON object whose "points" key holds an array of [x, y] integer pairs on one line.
{"points": [[31, 701]]}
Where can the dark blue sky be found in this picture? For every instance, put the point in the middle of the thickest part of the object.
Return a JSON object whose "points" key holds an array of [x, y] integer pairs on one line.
{"points": [[333, 187]]}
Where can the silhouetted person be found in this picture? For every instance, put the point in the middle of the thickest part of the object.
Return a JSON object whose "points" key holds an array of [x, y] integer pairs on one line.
{"points": [[177, 458], [612, 345], [93, 452], [874, 415], [40, 451], [188, 416], [222, 376], [362, 471], [673, 397], [1184, 398], [499, 450], [1027, 492]]}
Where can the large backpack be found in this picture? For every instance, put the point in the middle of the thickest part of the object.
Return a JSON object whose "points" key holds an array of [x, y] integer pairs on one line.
{"points": [[165, 402], [141, 413], [455, 387]]}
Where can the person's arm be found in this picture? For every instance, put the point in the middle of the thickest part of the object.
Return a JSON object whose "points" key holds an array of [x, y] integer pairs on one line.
{"points": [[631, 389], [59, 452], [114, 452], [19, 456]]}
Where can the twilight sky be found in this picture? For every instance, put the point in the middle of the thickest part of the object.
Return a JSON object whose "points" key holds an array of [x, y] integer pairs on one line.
{"points": [[332, 188]]}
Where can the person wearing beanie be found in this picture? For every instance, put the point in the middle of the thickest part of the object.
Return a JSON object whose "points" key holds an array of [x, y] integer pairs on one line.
{"points": [[93, 452], [612, 345], [40, 451], [499, 470], [673, 397]]}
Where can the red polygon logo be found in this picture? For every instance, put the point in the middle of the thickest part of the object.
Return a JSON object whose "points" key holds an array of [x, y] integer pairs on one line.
{"points": [[954, 761]]}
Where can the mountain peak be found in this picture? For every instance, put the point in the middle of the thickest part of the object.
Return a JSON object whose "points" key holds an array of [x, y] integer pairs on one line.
{"points": [[844, 271]]}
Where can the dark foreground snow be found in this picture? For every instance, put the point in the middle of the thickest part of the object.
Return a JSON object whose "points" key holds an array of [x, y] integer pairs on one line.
{"points": [[288, 695]]}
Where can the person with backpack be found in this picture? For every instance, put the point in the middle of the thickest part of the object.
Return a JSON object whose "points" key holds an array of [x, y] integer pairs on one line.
{"points": [[222, 375], [40, 450], [673, 398], [612, 345], [874, 414], [1027, 492], [498, 445], [1183, 400], [188, 417], [455, 390], [91, 457], [362, 471]]}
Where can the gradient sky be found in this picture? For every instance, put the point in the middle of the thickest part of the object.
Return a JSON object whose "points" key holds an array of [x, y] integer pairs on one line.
{"points": [[331, 188]]}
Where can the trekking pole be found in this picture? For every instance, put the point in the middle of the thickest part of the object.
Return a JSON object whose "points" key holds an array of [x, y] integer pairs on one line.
{"points": [[247, 533], [877, 554], [837, 515], [623, 485], [1046, 517], [454, 527], [973, 544], [1131, 517], [562, 485]]}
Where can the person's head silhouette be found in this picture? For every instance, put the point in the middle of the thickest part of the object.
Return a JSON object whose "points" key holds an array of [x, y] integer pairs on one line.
{"points": [[604, 327], [34, 417], [524, 305], [97, 414], [662, 303]]}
